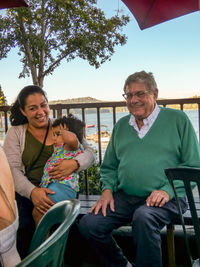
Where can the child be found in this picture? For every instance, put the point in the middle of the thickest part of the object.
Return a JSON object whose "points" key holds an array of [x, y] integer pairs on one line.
{"points": [[68, 134]]}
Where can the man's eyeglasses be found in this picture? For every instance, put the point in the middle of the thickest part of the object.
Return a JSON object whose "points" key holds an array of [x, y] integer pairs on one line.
{"points": [[139, 95]]}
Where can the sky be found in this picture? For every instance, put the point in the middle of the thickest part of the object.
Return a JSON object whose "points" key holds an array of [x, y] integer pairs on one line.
{"points": [[170, 50]]}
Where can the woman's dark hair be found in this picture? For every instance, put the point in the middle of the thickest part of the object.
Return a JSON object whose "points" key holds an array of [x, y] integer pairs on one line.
{"points": [[73, 124], [16, 117]]}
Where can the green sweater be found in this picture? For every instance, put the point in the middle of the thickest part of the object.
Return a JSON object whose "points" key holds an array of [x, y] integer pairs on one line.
{"points": [[137, 165]]}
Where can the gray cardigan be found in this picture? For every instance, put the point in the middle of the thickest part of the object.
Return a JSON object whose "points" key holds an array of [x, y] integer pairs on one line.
{"points": [[14, 147]]}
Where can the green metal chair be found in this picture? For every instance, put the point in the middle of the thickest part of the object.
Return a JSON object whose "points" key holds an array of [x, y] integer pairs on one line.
{"points": [[46, 248], [189, 177]]}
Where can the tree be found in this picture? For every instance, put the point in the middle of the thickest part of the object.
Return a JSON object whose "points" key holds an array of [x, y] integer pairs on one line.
{"points": [[3, 101], [52, 30]]}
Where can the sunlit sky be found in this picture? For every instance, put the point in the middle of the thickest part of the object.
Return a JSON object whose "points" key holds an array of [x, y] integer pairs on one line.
{"points": [[170, 50]]}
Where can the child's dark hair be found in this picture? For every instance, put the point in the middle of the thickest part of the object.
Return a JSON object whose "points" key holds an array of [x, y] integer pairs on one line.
{"points": [[73, 124]]}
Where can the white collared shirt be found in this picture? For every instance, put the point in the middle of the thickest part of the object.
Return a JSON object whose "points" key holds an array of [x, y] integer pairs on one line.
{"points": [[148, 122]]}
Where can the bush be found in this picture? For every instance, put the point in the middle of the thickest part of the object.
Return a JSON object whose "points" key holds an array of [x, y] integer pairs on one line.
{"points": [[93, 180]]}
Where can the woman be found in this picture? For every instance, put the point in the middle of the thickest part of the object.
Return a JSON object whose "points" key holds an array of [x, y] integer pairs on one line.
{"points": [[9, 256], [28, 145]]}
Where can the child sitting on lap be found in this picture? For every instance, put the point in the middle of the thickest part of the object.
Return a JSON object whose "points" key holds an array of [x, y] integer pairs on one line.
{"points": [[67, 135]]}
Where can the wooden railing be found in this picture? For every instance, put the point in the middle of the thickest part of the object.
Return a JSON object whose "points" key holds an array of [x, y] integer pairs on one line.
{"points": [[59, 109]]}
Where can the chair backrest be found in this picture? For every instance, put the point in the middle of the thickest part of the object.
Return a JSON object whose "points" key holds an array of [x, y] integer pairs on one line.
{"points": [[48, 249], [190, 178]]}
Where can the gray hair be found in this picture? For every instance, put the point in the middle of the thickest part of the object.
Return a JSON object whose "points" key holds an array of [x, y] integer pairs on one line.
{"points": [[142, 77]]}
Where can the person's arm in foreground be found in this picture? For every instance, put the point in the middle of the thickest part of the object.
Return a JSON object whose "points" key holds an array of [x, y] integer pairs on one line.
{"points": [[8, 210], [66, 167], [9, 256]]}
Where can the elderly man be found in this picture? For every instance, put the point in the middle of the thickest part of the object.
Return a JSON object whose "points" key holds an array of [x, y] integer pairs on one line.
{"points": [[134, 186]]}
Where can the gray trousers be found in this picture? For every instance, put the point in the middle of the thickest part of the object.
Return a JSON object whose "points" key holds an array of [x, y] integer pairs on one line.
{"points": [[147, 223]]}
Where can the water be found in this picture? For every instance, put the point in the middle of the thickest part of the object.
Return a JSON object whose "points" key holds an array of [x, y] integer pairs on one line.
{"points": [[107, 120], [193, 116]]}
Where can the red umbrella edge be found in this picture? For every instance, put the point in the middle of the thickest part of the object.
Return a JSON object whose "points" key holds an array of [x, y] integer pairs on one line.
{"points": [[12, 3], [152, 12]]}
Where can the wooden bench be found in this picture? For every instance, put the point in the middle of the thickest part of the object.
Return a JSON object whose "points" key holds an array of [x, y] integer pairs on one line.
{"points": [[88, 200]]}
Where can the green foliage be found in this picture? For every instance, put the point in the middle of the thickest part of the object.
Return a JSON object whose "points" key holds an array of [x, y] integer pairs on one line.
{"points": [[52, 30], [93, 180], [3, 101]]}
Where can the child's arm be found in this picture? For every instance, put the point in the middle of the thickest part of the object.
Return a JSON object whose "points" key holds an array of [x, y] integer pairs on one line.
{"points": [[70, 140]]}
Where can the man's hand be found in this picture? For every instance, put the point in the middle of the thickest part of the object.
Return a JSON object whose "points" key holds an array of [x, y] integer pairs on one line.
{"points": [[158, 198], [40, 199], [62, 169], [105, 199]]}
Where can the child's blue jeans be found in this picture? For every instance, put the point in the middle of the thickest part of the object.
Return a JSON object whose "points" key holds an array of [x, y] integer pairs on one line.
{"points": [[62, 192]]}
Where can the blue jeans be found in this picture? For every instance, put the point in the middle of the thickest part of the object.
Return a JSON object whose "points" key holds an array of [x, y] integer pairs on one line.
{"points": [[147, 223], [62, 192]]}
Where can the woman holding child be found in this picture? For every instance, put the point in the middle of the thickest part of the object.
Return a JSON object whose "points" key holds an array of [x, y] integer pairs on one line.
{"points": [[28, 145]]}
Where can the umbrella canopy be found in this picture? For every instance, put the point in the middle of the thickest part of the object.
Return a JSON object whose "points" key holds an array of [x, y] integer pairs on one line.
{"points": [[12, 3], [151, 12]]}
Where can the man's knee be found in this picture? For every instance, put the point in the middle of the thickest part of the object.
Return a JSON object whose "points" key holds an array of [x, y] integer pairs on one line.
{"points": [[143, 216], [87, 225], [95, 227]]}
